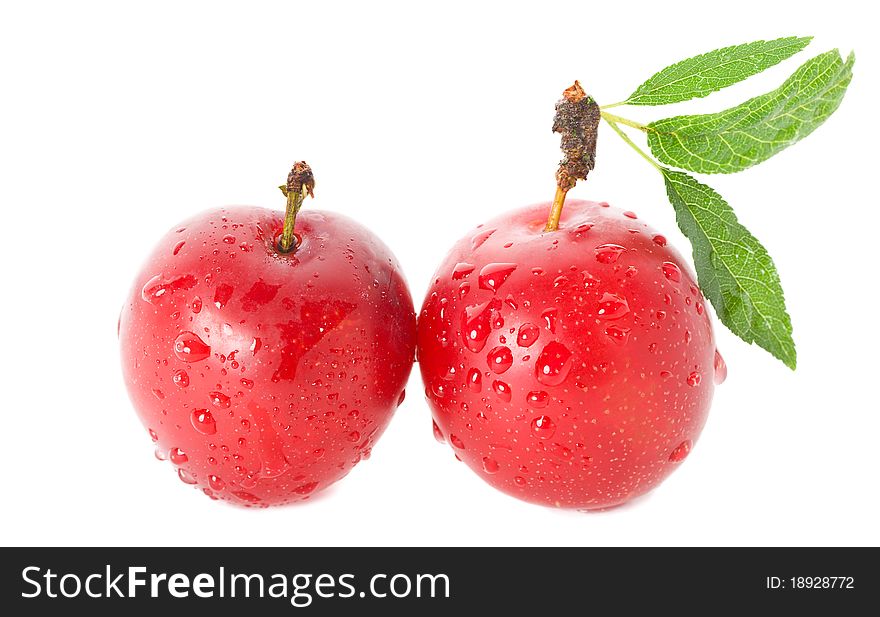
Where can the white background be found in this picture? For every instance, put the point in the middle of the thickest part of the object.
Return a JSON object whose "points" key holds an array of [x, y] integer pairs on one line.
{"points": [[119, 119]]}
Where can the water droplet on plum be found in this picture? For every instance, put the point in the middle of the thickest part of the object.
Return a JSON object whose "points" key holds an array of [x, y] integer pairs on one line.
{"points": [[203, 421], [477, 323], [461, 270], [720, 369], [245, 496], [159, 287], [681, 451], [438, 389], [188, 347], [543, 427], [502, 390], [493, 275], [618, 334], [553, 364], [500, 359], [527, 335], [218, 399], [478, 240], [475, 380], [490, 465], [549, 316], [612, 306], [180, 378], [671, 271], [608, 253], [537, 399]]}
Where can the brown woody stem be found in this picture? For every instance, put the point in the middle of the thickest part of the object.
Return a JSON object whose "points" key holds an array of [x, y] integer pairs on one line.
{"points": [[577, 120]]}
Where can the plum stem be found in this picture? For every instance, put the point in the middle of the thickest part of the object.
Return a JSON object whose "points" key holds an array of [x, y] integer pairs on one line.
{"points": [[300, 182], [577, 120], [556, 209]]}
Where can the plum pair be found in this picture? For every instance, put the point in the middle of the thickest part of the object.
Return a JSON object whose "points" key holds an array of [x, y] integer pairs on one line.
{"points": [[266, 352]]}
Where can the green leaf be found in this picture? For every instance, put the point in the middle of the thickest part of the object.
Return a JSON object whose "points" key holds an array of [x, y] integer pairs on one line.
{"points": [[748, 134], [702, 75], [734, 271], [283, 189]]}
